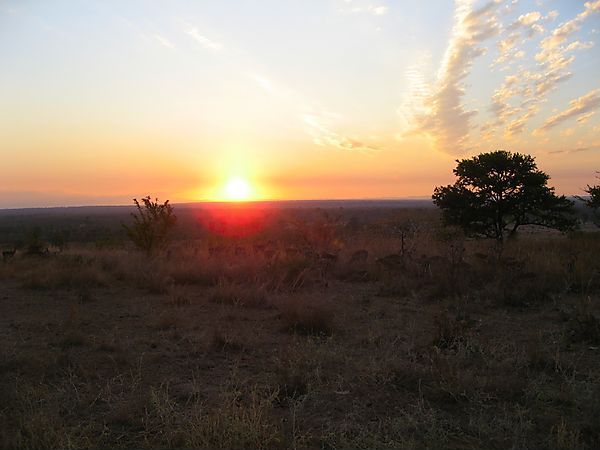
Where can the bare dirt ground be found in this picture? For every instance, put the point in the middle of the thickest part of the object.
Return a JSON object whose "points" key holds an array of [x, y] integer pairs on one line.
{"points": [[453, 347]]}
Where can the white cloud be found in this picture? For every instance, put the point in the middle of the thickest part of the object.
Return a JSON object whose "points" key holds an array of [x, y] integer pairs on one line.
{"points": [[204, 41], [528, 22], [529, 18], [514, 103]]}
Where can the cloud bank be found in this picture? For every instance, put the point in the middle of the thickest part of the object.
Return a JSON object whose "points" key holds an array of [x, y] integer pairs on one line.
{"points": [[439, 111]]}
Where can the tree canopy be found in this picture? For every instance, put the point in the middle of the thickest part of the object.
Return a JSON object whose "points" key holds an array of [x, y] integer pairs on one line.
{"points": [[498, 192]]}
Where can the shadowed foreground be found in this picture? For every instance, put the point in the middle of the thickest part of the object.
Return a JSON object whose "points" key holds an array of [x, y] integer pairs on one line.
{"points": [[379, 336]]}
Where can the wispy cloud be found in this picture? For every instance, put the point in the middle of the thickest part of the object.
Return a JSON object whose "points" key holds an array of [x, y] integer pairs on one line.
{"points": [[580, 107], [320, 125], [320, 129], [359, 6], [443, 117], [203, 40], [163, 40], [268, 85], [148, 32], [584, 117], [577, 150], [417, 91]]}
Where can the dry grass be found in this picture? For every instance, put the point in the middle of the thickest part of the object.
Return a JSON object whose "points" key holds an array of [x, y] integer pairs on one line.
{"points": [[307, 315], [224, 341], [63, 275], [241, 421], [249, 296], [460, 346]]}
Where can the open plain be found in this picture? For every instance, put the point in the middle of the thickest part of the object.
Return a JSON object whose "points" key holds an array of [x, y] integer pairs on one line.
{"points": [[356, 327]]}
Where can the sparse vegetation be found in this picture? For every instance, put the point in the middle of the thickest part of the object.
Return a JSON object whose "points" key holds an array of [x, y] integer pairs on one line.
{"points": [[411, 336], [152, 225]]}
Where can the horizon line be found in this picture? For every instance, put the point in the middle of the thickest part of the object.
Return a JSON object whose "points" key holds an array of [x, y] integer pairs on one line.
{"points": [[227, 202], [243, 202]]}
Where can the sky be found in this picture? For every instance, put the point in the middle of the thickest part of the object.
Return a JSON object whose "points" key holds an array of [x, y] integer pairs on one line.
{"points": [[103, 101]]}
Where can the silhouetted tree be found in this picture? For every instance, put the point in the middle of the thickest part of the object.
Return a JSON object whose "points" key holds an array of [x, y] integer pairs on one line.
{"points": [[593, 202], [152, 224], [500, 191]]}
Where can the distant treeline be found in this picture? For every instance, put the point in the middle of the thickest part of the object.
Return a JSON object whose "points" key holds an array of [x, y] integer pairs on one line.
{"points": [[104, 225]]}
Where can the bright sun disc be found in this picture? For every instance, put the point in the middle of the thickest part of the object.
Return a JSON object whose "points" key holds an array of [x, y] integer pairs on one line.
{"points": [[237, 189]]}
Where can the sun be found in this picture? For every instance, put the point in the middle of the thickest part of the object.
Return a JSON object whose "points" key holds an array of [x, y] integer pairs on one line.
{"points": [[237, 190]]}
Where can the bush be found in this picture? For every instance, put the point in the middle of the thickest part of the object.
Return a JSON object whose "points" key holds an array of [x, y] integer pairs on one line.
{"points": [[151, 225]]}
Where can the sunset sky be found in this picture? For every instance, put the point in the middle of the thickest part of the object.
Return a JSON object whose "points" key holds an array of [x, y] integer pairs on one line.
{"points": [[102, 101]]}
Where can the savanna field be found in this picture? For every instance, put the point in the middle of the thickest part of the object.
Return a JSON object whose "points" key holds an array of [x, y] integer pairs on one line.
{"points": [[356, 224], [297, 327]]}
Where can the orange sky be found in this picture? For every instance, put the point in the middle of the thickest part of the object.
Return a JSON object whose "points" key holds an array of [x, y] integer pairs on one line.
{"points": [[106, 101]]}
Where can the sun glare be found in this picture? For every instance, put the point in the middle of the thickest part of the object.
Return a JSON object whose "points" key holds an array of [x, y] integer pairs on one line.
{"points": [[237, 189]]}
